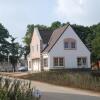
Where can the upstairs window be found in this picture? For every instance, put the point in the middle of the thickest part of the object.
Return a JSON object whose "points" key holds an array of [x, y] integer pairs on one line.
{"points": [[72, 44], [69, 43], [65, 44]]}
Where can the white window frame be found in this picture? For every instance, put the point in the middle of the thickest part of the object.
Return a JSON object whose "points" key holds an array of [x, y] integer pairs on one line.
{"points": [[82, 63], [58, 65], [45, 64], [70, 41]]}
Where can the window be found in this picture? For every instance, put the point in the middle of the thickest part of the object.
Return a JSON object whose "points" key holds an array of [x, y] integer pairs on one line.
{"points": [[69, 43], [45, 61], [81, 61], [84, 61], [56, 62], [65, 44], [72, 44], [59, 61]]}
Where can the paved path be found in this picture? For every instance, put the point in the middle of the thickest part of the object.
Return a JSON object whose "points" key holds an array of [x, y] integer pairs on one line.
{"points": [[52, 92]]}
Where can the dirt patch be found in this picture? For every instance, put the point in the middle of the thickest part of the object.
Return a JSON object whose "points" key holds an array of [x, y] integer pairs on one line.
{"points": [[14, 74]]}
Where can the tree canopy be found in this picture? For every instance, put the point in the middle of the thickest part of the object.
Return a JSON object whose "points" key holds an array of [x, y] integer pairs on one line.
{"points": [[8, 47], [4, 35]]}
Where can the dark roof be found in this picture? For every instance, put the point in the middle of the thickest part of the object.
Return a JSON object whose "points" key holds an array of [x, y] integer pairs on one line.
{"points": [[55, 37], [45, 35]]}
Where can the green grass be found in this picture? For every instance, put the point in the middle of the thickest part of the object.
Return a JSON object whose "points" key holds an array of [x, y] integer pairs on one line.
{"points": [[83, 80]]}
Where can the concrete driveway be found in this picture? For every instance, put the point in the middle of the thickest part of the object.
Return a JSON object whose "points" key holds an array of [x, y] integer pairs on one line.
{"points": [[52, 92]]}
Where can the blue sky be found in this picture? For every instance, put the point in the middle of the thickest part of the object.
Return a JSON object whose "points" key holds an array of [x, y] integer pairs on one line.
{"points": [[15, 15]]}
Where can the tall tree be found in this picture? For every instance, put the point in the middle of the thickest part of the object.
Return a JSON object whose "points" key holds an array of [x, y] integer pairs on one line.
{"points": [[4, 34], [96, 47], [85, 34], [16, 52], [28, 35], [55, 25]]}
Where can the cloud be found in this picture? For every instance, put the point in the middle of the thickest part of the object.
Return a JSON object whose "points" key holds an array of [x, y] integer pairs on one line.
{"points": [[69, 8], [79, 11]]}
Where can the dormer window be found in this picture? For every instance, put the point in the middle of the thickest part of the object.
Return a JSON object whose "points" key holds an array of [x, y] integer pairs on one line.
{"points": [[65, 44], [69, 43], [72, 44]]}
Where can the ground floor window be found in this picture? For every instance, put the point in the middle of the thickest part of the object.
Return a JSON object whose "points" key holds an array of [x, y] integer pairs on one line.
{"points": [[58, 61], [81, 61], [45, 62]]}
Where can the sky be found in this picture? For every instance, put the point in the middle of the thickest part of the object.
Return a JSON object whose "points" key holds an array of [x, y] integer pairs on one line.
{"points": [[15, 15]]}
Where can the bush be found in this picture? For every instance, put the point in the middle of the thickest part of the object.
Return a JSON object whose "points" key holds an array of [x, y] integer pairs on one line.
{"points": [[83, 80], [15, 90]]}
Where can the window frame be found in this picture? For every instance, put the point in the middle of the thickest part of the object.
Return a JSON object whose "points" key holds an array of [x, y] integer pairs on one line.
{"points": [[58, 62], [70, 41], [54, 62], [82, 61], [61, 62], [73, 45], [66, 47], [45, 62]]}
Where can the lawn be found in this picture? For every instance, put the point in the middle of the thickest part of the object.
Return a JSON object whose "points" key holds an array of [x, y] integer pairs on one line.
{"points": [[82, 80]]}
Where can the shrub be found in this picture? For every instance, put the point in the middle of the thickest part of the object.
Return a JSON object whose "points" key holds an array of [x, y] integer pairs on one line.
{"points": [[15, 90], [82, 80]]}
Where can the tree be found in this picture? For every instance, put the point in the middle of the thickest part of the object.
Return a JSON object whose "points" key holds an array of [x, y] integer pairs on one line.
{"points": [[28, 35], [86, 34], [4, 34], [16, 52], [55, 25], [96, 46]]}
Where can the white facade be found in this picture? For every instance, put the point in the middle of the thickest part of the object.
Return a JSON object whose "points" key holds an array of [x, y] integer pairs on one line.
{"points": [[34, 56], [70, 56]]}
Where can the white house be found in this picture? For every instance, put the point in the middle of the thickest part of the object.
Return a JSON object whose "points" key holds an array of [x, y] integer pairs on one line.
{"points": [[60, 49]]}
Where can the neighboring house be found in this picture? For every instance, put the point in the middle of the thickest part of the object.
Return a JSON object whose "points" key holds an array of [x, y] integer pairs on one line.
{"points": [[60, 49]]}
